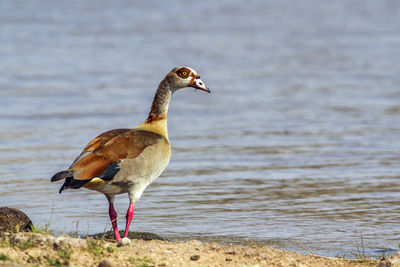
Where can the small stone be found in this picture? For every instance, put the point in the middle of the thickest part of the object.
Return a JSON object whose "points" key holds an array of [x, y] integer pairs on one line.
{"points": [[195, 257], [125, 241], [228, 259], [106, 263]]}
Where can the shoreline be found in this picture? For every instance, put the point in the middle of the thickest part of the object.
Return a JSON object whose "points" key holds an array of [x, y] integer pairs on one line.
{"points": [[44, 249]]}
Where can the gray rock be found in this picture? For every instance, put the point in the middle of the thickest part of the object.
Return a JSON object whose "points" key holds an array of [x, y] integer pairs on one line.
{"points": [[13, 220]]}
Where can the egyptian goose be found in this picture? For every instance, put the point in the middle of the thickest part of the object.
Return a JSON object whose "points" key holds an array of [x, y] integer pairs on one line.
{"points": [[128, 160]]}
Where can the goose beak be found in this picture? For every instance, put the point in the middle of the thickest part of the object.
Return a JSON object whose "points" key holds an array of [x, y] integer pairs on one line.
{"points": [[199, 84]]}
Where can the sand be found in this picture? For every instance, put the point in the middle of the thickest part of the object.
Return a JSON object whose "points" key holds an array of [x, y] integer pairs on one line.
{"points": [[43, 249]]}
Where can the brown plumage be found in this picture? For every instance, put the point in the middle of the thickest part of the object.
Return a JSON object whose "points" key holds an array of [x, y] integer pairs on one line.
{"points": [[109, 147]]}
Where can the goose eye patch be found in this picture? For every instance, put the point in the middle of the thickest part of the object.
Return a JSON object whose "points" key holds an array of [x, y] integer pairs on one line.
{"points": [[183, 73]]}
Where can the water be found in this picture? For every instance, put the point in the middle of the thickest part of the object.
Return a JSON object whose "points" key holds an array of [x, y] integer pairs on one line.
{"points": [[297, 146]]}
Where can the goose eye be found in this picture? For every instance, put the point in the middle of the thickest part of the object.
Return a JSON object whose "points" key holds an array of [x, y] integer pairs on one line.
{"points": [[183, 73]]}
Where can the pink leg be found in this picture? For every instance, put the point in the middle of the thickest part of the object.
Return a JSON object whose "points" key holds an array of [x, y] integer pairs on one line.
{"points": [[129, 217], [113, 217]]}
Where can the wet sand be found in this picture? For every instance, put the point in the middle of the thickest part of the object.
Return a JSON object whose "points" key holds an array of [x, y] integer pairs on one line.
{"points": [[43, 249]]}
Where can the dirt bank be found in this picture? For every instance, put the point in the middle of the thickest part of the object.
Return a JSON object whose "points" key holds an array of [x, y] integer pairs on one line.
{"points": [[38, 249]]}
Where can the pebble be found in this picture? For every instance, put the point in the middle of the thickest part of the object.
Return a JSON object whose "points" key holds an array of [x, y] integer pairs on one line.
{"points": [[106, 263], [195, 257], [125, 241]]}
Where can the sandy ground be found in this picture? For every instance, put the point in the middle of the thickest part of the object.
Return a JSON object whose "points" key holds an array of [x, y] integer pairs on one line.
{"points": [[40, 249]]}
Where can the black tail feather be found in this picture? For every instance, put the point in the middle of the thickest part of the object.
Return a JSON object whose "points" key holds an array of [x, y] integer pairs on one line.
{"points": [[61, 175], [73, 184], [70, 182]]}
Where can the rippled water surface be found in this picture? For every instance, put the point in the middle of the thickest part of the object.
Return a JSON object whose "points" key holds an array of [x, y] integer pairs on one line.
{"points": [[298, 146]]}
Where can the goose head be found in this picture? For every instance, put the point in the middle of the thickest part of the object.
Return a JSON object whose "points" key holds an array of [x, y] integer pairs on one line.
{"points": [[181, 77]]}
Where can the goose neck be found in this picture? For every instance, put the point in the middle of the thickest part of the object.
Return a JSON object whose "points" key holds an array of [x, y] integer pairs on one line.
{"points": [[159, 108]]}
